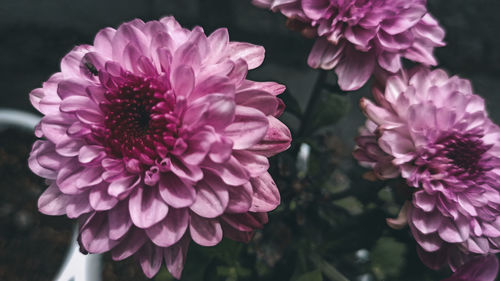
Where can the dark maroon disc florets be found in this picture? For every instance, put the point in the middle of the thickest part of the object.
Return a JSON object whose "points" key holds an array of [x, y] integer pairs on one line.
{"points": [[139, 119]]}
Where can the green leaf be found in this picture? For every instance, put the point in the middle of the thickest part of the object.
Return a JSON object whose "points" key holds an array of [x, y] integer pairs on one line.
{"points": [[387, 258], [329, 110], [350, 204]]}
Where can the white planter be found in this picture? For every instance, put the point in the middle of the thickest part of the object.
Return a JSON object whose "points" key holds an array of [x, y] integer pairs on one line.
{"points": [[76, 266]]}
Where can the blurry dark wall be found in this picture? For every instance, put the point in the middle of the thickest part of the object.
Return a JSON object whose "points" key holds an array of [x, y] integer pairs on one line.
{"points": [[35, 35]]}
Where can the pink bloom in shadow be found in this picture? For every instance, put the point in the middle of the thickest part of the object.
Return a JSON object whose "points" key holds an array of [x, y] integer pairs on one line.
{"points": [[360, 37], [434, 132], [482, 268]]}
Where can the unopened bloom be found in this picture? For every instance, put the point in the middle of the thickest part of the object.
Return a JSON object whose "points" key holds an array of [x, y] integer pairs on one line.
{"points": [[358, 37], [482, 268], [154, 137], [432, 131]]}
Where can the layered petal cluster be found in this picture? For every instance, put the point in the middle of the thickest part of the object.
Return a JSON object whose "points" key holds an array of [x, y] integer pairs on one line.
{"points": [[431, 130], [359, 37], [154, 137]]}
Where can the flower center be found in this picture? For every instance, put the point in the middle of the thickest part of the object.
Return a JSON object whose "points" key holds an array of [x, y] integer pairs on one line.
{"points": [[464, 153], [139, 119]]}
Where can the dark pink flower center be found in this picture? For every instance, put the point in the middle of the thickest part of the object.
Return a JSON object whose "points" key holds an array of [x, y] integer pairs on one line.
{"points": [[464, 154], [139, 121]]}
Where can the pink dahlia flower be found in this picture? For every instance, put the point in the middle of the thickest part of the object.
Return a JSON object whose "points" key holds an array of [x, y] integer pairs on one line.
{"points": [[435, 133], [483, 268], [358, 37], [154, 137]]}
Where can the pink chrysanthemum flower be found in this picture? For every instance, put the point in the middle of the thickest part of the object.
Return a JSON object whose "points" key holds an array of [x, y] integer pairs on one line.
{"points": [[154, 137], [435, 133], [478, 269], [358, 37]]}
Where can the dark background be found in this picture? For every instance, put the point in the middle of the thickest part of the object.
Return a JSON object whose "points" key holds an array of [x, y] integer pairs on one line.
{"points": [[36, 34]]}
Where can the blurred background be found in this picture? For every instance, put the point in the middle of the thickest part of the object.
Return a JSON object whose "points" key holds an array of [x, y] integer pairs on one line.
{"points": [[331, 224]]}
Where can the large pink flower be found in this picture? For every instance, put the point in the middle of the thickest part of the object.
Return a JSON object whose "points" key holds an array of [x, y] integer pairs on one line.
{"points": [[358, 37], [434, 132], [154, 137]]}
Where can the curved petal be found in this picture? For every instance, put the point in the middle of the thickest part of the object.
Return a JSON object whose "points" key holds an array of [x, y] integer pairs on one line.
{"points": [[150, 258], [146, 208], [212, 197], [248, 128], [175, 192], [175, 257], [266, 196], [205, 232], [171, 229], [94, 235]]}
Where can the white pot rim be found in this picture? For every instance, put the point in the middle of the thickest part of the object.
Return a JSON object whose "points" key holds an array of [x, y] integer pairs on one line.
{"points": [[76, 266]]}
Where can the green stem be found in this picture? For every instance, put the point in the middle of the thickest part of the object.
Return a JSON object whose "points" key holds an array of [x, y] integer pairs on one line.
{"points": [[311, 105]]}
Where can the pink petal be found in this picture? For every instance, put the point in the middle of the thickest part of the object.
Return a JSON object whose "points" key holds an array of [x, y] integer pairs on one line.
{"points": [[218, 41], [260, 100], [481, 268], [235, 234], [434, 260], [354, 69], [315, 9], [205, 232], [186, 171], [212, 197], [217, 110], [130, 244], [187, 55], [94, 235], [123, 185], [231, 172], [89, 176], [254, 163], [171, 229], [175, 257], [402, 220], [454, 231], [146, 208], [276, 140], [89, 153], [404, 20], [426, 222], [266, 196], [150, 258], [325, 55], [424, 201], [175, 192], [248, 127], [390, 61], [119, 220], [243, 222], [252, 54], [183, 81], [67, 178], [198, 147], [100, 200], [240, 198], [78, 205], [41, 148], [52, 201], [103, 41]]}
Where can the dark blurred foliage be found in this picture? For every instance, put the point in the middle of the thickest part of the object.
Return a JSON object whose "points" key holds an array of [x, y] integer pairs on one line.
{"points": [[331, 223]]}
